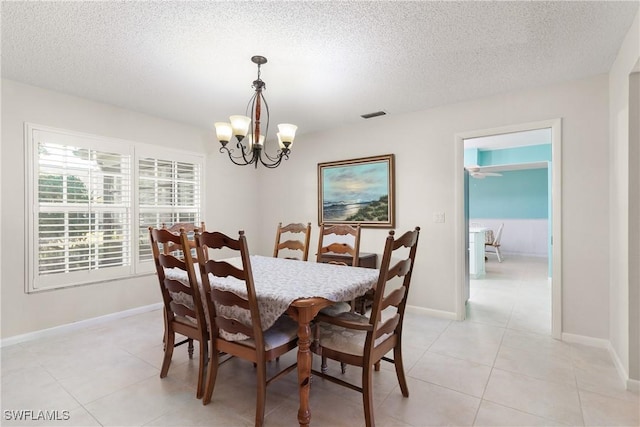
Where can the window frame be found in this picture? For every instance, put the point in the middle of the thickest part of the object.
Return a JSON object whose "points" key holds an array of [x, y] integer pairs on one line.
{"points": [[34, 281]]}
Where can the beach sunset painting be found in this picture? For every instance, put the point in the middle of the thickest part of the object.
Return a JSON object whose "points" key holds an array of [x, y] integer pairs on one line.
{"points": [[356, 191]]}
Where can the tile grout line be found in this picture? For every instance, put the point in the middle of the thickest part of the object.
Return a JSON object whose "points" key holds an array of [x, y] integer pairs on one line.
{"points": [[484, 390]]}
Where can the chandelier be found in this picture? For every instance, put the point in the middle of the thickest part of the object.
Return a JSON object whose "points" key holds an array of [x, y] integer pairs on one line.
{"points": [[248, 130]]}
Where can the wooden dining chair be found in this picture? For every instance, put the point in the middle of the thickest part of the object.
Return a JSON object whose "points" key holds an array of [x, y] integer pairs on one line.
{"points": [[337, 239], [177, 250], [183, 306], [364, 341], [291, 245], [229, 333]]}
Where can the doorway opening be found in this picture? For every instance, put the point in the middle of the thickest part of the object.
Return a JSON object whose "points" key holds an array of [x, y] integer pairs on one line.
{"points": [[483, 162]]}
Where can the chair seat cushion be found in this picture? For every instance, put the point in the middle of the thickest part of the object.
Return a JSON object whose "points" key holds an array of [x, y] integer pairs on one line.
{"points": [[283, 331], [345, 340], [336, 309]]}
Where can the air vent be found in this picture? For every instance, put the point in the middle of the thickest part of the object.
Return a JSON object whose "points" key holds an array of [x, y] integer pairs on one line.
{"points": [[376, 114]]}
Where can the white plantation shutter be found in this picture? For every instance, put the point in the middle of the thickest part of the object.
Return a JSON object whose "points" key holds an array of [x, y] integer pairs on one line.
{"points": [[168, 192], [85, 194]]}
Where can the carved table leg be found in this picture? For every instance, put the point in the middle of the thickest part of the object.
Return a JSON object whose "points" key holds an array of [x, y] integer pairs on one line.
{"points": [[304, 369]]}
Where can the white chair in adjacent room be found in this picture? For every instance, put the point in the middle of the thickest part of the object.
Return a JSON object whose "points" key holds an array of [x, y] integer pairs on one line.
{"points": [[495, 244]]}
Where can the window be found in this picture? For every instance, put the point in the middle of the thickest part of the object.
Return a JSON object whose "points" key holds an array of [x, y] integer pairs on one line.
{"points": [[85, 193], [168, 192]]}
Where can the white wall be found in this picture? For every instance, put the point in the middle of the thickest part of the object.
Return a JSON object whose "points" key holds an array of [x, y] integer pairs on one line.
{"points": [[423, 143], [527, 237], [620, 201], [257, 200], [634, 224], [226, 207]]}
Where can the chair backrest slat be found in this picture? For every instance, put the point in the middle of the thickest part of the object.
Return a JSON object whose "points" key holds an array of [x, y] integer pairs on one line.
{"points": [[394, 298], [176, 286], [400, 269], [170, 261], [387, 327], [229, 299], [180, 310], [224, 269], [294, 245]]}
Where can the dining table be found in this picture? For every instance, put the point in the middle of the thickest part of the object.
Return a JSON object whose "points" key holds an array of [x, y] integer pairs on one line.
{"points": [[301, 289]]}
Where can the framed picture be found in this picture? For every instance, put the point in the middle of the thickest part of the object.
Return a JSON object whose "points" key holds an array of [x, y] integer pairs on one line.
{"points": [[357, 191]]}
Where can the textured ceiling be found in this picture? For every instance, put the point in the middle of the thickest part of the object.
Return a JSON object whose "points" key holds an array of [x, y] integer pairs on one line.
{"points": [[329, 62]]}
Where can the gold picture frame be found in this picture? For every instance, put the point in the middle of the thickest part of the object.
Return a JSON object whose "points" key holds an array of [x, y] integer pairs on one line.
{"points": [[357, 191]]}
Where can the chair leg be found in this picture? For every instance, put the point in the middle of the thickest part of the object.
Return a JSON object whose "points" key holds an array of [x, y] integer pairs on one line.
{"points": [[169, 341], [367, 396], [201, 368], [190, 344], [397, 361], [323, 365], [261, 393], [212, 371], [343, 367], [499, 254]]}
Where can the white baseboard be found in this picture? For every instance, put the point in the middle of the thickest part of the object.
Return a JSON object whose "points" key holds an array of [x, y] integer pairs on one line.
{"points": [[431, 312], [629, 384], [523, 254], [16, 339], [590, 341], [622, 372]]}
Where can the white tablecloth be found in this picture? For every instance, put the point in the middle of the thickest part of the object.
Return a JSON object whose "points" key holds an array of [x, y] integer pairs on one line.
{"points": [[279, 282]]}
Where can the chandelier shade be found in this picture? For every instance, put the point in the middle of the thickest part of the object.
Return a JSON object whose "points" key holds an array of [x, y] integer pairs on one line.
{"points": [[254, 127]]}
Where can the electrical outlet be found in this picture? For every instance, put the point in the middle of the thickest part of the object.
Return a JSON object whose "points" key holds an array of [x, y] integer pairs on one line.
{"points": [[438, 217]]}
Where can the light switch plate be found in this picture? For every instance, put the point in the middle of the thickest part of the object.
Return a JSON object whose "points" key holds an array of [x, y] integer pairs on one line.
{"points": [[438, 217]]}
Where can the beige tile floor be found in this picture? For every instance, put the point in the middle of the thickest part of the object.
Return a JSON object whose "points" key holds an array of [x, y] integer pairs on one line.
{"points": [[498, 368]]}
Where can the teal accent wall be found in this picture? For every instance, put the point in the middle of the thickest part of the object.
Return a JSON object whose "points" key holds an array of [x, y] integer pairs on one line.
{"points": [[471, 157], [519, 194], [508, 156]]}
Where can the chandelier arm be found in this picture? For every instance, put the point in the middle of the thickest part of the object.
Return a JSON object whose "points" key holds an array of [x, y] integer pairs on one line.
{"points": [[244, 153], [275, 162], [271, 165], [245, 159], [233, 158], [278, 156]]}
